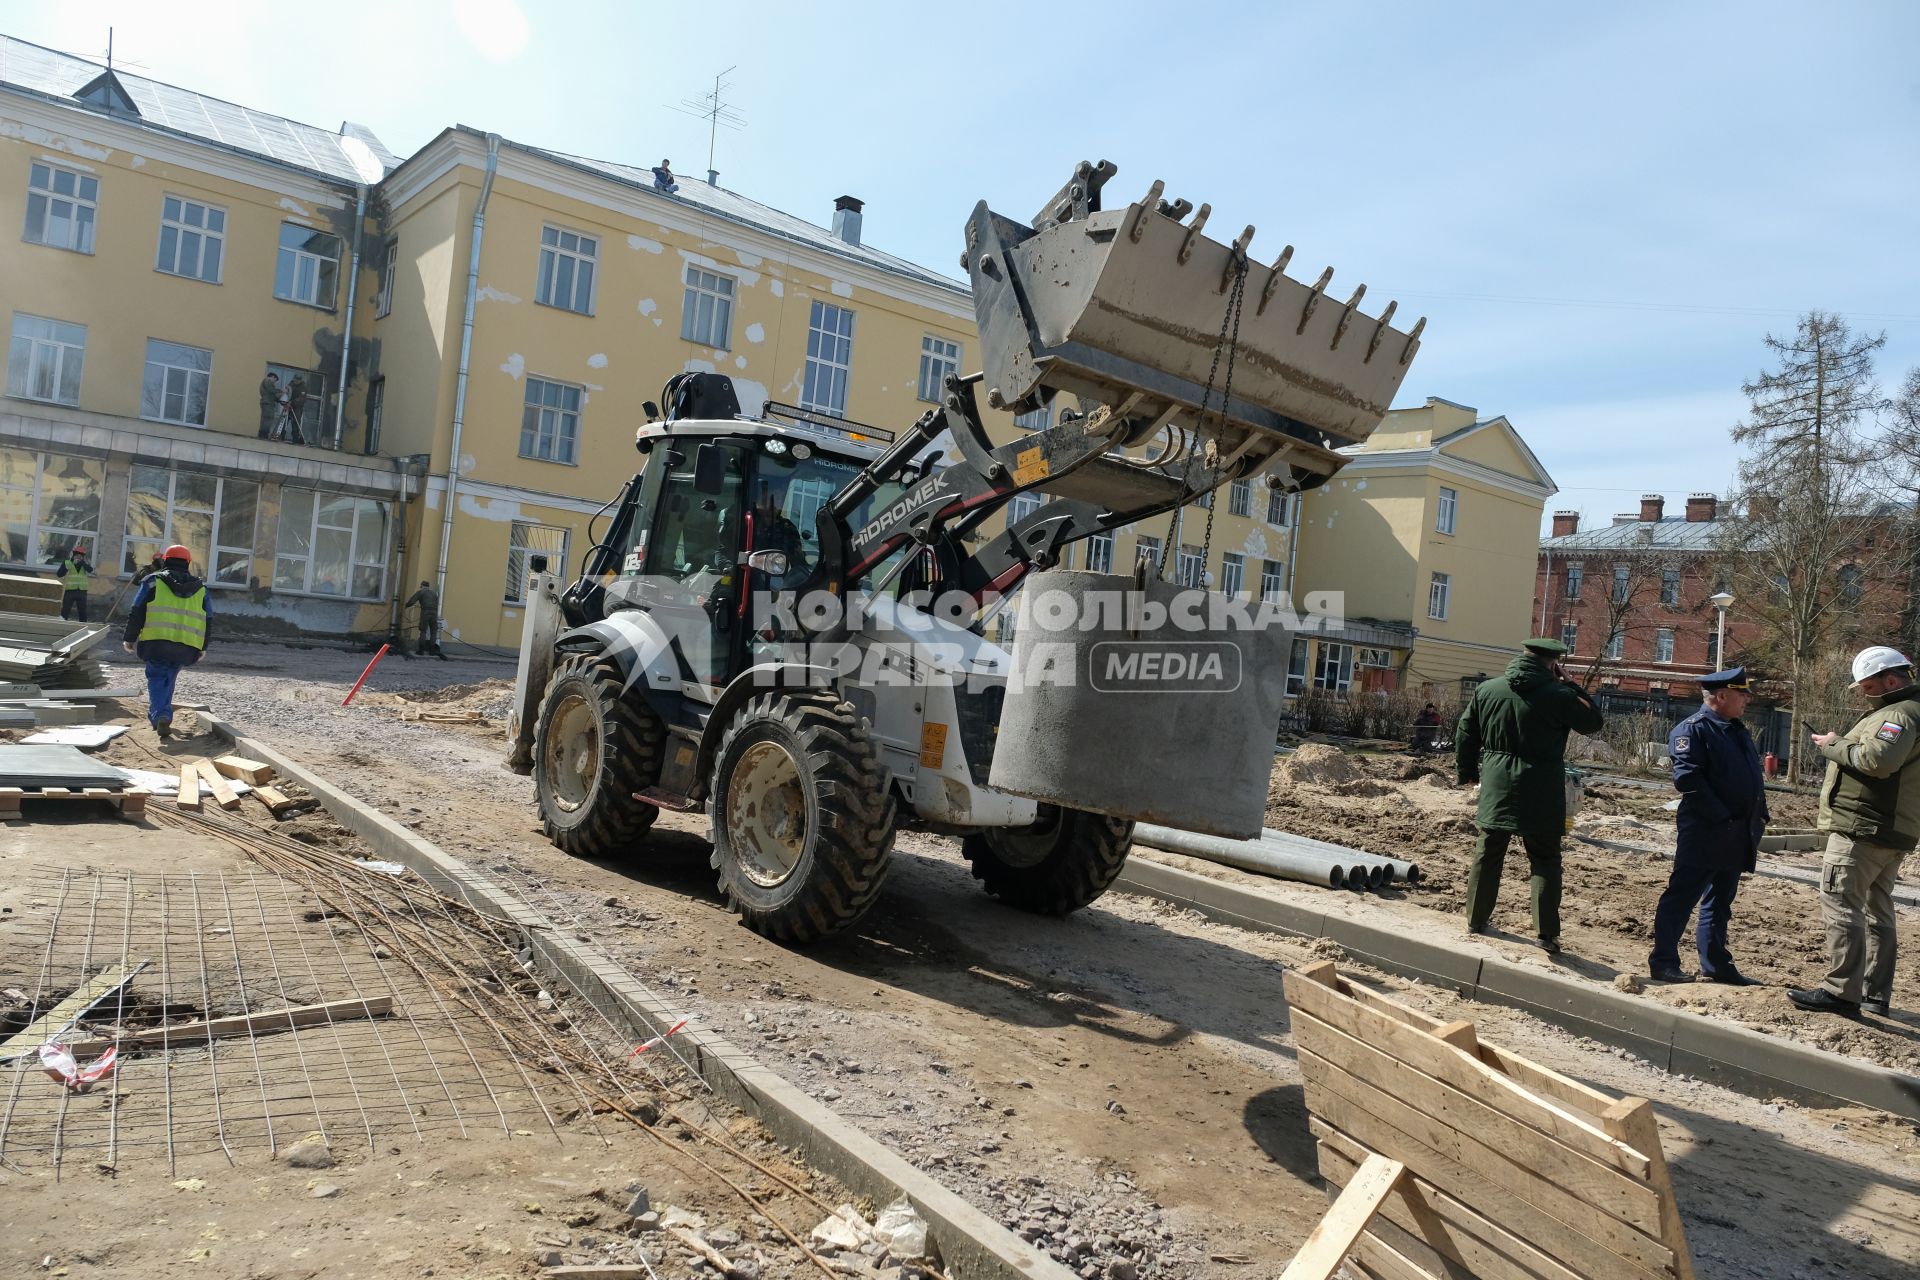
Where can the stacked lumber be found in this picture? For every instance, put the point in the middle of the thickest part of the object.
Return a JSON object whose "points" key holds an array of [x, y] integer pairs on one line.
{"points": [[1458, 1157], [23, 593], [219, 775]]}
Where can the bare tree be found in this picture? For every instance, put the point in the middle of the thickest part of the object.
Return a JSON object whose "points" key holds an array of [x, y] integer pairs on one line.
{"points": [[1807, 414], [1631, 600]]}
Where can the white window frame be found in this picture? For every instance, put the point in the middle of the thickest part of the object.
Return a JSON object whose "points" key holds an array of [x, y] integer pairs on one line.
{"points": [[1439, 590], [1233, 573], [1279, 513], [1297, 669], [1576, 580], [706, 310], [1373, 656], [1100, 553], [1663, 645], [581, 254], [305, 269], [1145, 546], [77, 209], [376, 412], [521, 543], [1190, 566], [1273, 580], [137, 549], [39, 528], [938, 357], [1022, 505], [555, 419], [189, 376], [370, 558], [1333, 667], [1570, 636], [209, 233], [383, 305], [1448, 514], [313, 414], [51, 351], [1617, 645], [1240, 498], [829, 367], [1034, 419]]}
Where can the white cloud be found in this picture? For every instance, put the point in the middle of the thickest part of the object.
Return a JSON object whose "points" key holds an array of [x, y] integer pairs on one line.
{"points": [[497, 29]]}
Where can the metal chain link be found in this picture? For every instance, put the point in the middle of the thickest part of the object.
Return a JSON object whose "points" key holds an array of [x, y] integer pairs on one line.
{"points": [[1230, 343]]}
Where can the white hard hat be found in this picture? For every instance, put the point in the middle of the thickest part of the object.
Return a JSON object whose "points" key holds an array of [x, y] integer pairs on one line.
{"points": [[1877, 658]]}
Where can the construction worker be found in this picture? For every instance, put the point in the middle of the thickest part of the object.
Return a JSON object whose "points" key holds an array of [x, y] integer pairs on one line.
{"points": [[429, 601], [168, 628], [1870, 811], [1723, 814], [75, 576], [1512, 740], [269, 404]]}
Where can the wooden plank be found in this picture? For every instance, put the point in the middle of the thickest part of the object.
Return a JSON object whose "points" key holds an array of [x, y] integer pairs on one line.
{"points": [[252, 1024], [1333, 1236], [248, 771], [62, 1016], [276, 801], [600, 1271], [1517, 1197], [1464, 1072], [133, 802], [1632, 1120], [50, 793], [10, 798], [223, 795], [1385, 1261], [189, 797], [1490, 1252]]}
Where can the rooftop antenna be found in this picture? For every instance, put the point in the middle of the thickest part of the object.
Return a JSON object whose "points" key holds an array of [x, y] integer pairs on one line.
{"points": [[716, 111]]}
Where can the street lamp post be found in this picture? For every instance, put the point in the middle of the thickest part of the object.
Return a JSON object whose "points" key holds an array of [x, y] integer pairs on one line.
{"points": [[1720, 600]]}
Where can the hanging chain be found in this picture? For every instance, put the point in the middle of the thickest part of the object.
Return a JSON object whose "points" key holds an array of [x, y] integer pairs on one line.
{"points": [[1229, 342]]}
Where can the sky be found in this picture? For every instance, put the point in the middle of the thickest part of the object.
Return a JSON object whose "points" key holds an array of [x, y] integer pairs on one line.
{"points": [[1601, 210]]}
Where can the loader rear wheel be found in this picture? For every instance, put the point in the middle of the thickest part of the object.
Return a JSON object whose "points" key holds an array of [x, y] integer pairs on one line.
{"points": [[802, 817], [593, 747], [1056, 866]]}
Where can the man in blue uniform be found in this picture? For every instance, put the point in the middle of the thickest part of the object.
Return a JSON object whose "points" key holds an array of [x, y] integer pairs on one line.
{"points": [[1723, 812]]}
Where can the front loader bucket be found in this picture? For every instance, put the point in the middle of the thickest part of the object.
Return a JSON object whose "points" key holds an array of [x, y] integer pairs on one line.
{"points": [[1125, 307]]}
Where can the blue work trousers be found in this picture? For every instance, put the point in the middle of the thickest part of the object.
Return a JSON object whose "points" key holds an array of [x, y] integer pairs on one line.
{"points": [[1712, 890], [164, 659]]}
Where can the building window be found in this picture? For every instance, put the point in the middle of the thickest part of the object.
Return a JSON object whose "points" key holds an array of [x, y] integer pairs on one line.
{"points": [[706, 317], [175, 386], [331, 545], [1670, 587], [938, 359], [1278, 510], [1191, 568], [1663, 645], [1297, 669], [193, 239], [384, 303], [1100, 553], [48, 505], [1437, 593], [1147, 549], [308, 266], [1849, 584], [1035, 419], [310, 413], [376, 409], [1449, 510], [829, 359], [44, 359], [1617, 645], [526, 540], [213, 518], [1576, 575], [550, 422], [60, 207], [1622, 583], [1333, 667], [1570, 636], [567, 261], [1206, 501], [1233, 573], [1240, 498], [1021, 506], [1373, 657], [1273, 580]]}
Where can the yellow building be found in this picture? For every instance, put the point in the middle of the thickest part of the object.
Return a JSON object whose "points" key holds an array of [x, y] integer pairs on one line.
{"points": [[1429, 534]]}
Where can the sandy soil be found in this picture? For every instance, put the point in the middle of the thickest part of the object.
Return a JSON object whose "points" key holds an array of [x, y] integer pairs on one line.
{"points": [[1118, 1086]]}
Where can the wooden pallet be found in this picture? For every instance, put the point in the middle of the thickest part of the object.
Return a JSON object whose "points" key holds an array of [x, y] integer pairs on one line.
{"points": [[1461, 1158], [130, 803], [444, 717]]}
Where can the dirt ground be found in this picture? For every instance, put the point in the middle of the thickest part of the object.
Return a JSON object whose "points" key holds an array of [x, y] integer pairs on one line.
{"points": [[1119, 1086]]}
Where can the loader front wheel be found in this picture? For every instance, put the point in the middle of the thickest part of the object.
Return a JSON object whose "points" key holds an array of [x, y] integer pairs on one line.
{"points": [[593, 747], [1056, 866], [802, 817]]}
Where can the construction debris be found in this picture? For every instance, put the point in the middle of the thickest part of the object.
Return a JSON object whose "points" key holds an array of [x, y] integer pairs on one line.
{"points": [[252, 1024], [49, 652], [77, 735], [245, 770], [60, 1019], [223, 793]]}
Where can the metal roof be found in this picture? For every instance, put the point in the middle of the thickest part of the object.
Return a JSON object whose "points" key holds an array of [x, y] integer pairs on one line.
{"points": [[352, 155], [1670, 533], [735, 207]]}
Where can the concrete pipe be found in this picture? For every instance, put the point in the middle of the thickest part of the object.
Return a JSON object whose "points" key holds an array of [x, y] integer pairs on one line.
{"points": [[1402, 870], [1248, 855]]}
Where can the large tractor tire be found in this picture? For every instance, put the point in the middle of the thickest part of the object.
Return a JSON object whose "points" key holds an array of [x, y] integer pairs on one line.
{"points": [[593, 747], [802, 817], [1058, 865]]}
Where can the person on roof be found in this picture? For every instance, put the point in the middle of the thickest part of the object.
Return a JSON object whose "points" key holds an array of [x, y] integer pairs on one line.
{"points": [[663, 177], [168, 629]]}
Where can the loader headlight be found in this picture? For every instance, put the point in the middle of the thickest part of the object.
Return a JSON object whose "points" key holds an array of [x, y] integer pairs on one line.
{"points": [[776, 447]]}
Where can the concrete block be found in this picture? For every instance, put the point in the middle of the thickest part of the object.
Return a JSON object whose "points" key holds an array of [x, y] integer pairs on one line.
{"points": [[1640, 1026], [1772, 1066], [189, 453]]}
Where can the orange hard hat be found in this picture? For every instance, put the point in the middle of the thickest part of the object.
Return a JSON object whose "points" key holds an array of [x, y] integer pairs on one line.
{"points": [[176, 552]]}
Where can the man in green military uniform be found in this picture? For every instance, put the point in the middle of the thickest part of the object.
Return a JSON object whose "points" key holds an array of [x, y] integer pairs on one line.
{"points": [[1512, 740], [168, 628], [76, 574]]}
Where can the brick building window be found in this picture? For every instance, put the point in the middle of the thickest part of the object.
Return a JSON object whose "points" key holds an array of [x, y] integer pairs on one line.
{"points": [[1622, 583], [1663, 645], [1670, 588], [1617, 645], [1570, 636], [1576, 575]]}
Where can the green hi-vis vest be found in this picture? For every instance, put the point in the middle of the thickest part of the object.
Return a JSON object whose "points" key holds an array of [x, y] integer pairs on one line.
{"points": [[170, 617], [73, 577]]}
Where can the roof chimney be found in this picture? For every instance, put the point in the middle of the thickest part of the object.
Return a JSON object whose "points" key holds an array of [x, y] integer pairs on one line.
{"points": [[1701, 507], [1652, 506], [1565, 522], [846, 219], [713, 177]]}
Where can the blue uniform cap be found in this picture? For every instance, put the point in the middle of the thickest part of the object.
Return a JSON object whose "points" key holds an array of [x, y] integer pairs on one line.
{"points": [[1732, 678]]}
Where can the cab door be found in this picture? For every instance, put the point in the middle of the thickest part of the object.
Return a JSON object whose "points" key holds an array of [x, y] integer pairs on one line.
{"points": [[690, 565]]}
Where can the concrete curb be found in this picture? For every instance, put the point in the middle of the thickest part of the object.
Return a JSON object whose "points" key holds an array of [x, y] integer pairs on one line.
{"points": [[1672, 1039], [971, 1244]]}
